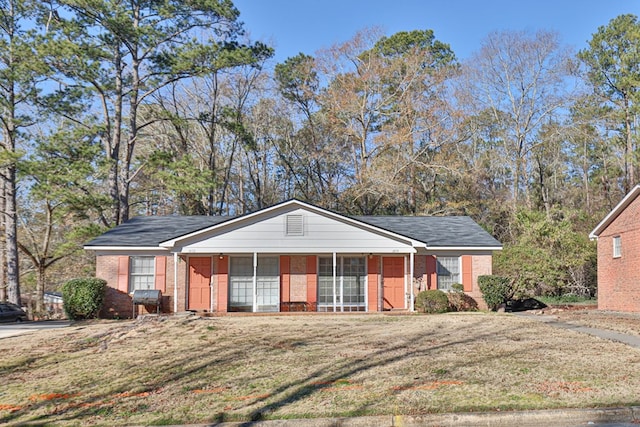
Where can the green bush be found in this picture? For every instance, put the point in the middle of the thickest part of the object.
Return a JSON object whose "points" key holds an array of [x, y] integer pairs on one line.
{"points": [[495, 290], [82, 298], [432, 301]]}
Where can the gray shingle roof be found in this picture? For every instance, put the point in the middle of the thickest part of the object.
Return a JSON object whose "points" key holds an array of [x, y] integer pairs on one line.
{"points": [[453, 231], [435, 231], [150, 231]]}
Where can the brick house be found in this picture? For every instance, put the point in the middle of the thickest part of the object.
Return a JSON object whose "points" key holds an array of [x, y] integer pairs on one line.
{"points": [[290, 257], [618, 239]]}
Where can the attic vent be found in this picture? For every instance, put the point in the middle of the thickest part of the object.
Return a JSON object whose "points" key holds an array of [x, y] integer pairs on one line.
{"points": [[294, 225]]}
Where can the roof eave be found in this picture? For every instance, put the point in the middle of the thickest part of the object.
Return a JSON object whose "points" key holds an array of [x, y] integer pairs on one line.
{"points": [[464, 248], [123, 248], [621, 206]]}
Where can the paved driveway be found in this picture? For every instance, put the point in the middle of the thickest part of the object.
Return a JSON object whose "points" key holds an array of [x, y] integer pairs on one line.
{"points": [[13, 329]]}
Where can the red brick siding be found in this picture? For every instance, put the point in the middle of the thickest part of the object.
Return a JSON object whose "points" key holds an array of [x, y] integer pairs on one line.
{"points": [[115, 270], [619, 278], [481, 265], [425, 275]]}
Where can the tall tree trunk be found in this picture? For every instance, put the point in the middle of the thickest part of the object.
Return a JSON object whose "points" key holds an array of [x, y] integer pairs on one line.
{"points": [[629, 152], [3, 251], [113, 148], [40, 284], [11, 236]]}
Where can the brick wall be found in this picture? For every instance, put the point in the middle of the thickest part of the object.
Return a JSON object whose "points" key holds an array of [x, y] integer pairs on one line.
{"points": [[619, 278], [425, 276], [117, 303], [481, 265]]}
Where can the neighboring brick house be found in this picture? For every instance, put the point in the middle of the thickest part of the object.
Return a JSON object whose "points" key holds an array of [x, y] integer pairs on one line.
{"points": [[618, 236], [290, 257]]}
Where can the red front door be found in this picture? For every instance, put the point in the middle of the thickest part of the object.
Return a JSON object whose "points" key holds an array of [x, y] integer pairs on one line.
{"points": [[199, 281], [393, 282]]}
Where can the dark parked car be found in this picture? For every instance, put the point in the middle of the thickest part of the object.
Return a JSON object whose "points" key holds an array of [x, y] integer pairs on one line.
{"points": [[11, 313]]}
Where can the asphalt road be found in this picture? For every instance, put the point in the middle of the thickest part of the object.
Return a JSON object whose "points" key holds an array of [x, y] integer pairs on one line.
{"points": [[13, 329]]}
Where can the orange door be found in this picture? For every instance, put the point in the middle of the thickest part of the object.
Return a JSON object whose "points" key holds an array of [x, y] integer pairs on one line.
{"points": [[199, 280], [393, 282]]}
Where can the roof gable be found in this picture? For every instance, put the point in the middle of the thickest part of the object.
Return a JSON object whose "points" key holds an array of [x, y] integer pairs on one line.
{"points": [[615, 212], [277, 213]]}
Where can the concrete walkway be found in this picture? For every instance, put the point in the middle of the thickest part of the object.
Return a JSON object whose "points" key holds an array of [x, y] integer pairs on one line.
{"points": [[631, 340], [20, 328], [609, 417]]}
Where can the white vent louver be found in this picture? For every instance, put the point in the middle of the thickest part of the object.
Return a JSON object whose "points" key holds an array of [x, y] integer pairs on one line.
{"points": [[294, 225]]}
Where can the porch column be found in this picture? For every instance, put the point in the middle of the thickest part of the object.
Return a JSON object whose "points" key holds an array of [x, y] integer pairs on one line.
{"points": [[255, 282], [411, 271], [335, 259], [175, 282]]}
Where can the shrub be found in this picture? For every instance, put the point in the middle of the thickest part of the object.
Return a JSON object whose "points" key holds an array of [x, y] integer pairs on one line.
{"points": [[495, 290], [432, 301], [459, 301], [82, 298]]}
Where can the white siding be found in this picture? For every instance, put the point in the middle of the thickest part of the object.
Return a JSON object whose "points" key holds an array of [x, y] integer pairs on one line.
{"points": [[321, 234]]}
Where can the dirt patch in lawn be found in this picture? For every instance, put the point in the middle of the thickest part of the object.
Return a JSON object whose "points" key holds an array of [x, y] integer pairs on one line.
{"points": [[205, 370]]}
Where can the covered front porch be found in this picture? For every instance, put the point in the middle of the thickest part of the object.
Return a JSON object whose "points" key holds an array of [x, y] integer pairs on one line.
{"points": [[326, 282]]}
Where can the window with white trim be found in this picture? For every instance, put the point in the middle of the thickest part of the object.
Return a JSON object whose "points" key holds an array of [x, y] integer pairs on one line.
{"points": [[142, 271], [617, 247], [448, 269], [351, 282]]}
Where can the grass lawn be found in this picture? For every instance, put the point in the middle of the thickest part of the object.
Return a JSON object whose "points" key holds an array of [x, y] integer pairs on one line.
{"points": [[204, 370]]}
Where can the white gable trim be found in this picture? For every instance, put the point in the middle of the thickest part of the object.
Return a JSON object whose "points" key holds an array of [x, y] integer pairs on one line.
{"points": [[626, 201], [292, 204]]}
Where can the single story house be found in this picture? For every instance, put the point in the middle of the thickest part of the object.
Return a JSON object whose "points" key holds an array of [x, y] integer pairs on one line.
{"points": [[618, 239], [292, 256]]}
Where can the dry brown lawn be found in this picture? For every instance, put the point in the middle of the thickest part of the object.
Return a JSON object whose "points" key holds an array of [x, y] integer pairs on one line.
{"points": [[203, 370], [626, 323]]}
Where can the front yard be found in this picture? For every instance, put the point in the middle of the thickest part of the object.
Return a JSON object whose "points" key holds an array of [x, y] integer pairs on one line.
{"points": [[198, 370]]}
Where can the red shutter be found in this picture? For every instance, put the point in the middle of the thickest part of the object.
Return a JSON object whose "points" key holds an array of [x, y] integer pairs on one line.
{"points": [[285, 278], [372, 278], [123, 274], [432, 275], [223, 283], [312, 281], [467, 273], [161, 273]]}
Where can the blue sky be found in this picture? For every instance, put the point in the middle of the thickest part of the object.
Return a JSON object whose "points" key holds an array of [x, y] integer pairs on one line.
{"points": [[294, 26]]}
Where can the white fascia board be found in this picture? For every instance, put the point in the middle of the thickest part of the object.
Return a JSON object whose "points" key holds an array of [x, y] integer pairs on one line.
{"points": [[414, 243], [464, 248], [626, 201]]}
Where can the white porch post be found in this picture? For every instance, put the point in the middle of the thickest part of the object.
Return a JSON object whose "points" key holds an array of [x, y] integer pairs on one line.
{"points": [[411, 270], [175, 282], [211, 283], [255, 282], [334, 282]]}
